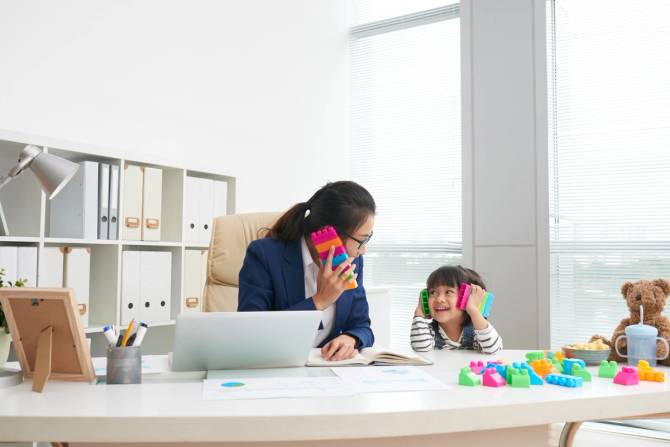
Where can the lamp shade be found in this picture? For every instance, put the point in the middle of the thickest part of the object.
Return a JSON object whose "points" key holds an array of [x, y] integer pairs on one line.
{"points": [[52, 172]]}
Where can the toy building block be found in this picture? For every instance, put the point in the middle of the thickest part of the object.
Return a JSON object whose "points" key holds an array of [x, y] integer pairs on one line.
{"points": [[477, 367], [464, 295], [559, 356], [607, 369], [467, 378], [492, 378], [519, 378], [569, 363], [534, 378], [558, 366], [564, 380], [324, 239], [647, 373], [542, 367], [536, 355], [627, 376], [579, 371]]}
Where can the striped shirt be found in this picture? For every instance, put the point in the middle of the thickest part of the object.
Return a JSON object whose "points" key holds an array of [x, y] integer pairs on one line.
{"points": [[427, 335]]}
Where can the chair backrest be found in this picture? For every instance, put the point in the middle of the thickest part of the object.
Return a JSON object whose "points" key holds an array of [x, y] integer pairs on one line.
{"points": [[231, 235]]}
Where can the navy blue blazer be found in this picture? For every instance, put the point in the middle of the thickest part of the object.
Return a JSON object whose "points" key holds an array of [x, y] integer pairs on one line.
{"points": [[273, 278]]}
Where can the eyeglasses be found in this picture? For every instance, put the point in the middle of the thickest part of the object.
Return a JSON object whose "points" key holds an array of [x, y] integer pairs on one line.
{"points": [[360, 242]]}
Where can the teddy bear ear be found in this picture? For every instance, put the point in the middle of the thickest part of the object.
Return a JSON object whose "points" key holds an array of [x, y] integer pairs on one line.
{"points": [[626, 288], [663, 284]]}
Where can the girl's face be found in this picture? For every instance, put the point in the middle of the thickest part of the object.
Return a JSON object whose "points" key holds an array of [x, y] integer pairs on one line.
{"points": [[361, 234], [442, 302]]}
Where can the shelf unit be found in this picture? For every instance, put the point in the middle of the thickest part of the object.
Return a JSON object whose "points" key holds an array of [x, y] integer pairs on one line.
{"points": [[27, 212]]}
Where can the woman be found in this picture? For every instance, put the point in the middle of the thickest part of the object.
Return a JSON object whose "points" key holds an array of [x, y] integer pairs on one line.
{"points": [[283, 271]]}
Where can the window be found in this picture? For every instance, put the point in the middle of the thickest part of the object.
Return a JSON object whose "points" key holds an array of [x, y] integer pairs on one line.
{"points": [[406, 146], [609, 152]]}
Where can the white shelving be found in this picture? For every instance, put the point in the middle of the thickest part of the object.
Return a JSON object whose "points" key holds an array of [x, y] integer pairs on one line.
{"points": [[27, 211]]}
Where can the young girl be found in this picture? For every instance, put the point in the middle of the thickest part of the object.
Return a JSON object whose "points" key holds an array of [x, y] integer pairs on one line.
{"points": [[447, 326]]}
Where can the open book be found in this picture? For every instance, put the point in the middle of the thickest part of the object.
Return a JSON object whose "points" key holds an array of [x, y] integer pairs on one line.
{"points": [[368, 356]]}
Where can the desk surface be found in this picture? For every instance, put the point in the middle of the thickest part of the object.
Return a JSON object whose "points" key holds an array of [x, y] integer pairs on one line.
{"points": [[170, 408]]}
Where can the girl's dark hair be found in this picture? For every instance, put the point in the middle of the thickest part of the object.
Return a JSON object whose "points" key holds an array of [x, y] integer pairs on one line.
{"points": [[345, 205], [454, 276]]}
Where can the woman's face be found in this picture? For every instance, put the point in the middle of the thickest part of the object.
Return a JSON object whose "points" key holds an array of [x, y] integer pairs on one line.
{"points": [[362, 233]]}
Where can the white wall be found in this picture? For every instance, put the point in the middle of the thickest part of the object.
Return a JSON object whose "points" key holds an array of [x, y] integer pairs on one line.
{"points": [[256, 88], [505, 228]]}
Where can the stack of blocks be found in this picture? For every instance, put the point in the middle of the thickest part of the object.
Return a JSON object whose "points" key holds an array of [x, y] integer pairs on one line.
{"points": [[464, 295], [646, 372], [326, 238]]}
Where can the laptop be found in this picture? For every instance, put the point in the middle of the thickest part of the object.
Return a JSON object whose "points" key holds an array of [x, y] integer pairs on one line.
{"points": [[243, 340]]}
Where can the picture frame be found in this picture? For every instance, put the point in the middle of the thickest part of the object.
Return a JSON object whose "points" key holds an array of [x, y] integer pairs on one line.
{"points": [[48, 337]]}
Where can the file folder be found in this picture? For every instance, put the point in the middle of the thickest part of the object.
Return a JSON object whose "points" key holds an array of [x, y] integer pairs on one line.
{"points": [[77, 276], [130, 286], [152, 201], [103, 201], [194, 279], [113, 202], [191, 207], [74, 211], [132, 203], [205, 210], [155, 285]]}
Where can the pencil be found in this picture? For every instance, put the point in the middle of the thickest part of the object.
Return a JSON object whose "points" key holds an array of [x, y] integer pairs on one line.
{"points": [[128, 331]]}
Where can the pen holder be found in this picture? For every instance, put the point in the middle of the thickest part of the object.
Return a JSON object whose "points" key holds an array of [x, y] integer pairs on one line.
{"points": [[124, 365]]}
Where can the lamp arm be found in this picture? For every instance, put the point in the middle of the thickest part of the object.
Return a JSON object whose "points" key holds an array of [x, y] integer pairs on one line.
{"points": [[5, 180]]}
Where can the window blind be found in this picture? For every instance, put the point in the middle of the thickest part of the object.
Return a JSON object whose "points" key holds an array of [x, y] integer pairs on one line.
{"points": [[406, 149], [609, 153]]}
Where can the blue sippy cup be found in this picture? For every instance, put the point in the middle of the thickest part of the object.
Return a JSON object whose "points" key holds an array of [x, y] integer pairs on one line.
{"points": [[641, 343]]}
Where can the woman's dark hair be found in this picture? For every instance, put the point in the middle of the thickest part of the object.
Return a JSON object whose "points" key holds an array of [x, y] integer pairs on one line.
{"points": [[345, 205], [454, 276]]}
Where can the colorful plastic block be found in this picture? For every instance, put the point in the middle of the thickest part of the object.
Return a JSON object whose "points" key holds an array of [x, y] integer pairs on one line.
{"points": [[534, 378], [536, 355], [477, 367], [560, 356], [519, 378], [579, 371], [464, 295], [627, 376], [542, 367], [558, 366], [607, 369], [564, 380], [324, 239], [467, 378], [492, 378], [647, 373], [568, 364]]}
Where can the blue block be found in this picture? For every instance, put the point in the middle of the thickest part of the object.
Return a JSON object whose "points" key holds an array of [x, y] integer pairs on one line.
{"points": [[535, 379], [339, 259], [564, 380], [568, 363], [487, 307]]}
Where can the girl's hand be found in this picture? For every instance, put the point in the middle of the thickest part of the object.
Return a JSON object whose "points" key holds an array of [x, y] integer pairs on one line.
{"points": [[342, 347], [419, 309], [475, 299], [331, 283]]}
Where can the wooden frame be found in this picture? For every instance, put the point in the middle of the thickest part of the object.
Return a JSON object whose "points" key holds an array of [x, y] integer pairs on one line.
{"points": [[47, 334]]}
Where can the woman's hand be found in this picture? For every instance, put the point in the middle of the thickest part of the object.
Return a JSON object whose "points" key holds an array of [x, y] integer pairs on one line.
{"points": [[342, 347], [331, 283]]}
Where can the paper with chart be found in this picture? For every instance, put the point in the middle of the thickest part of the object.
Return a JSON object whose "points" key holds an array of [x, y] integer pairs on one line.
{"points": [[372, 379], [273, 387]]}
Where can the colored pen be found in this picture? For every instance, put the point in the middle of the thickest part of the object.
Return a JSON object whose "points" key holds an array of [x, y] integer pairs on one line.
{"points": [[109, 335], [141, 330], [118, 342], [128, 331], [131, 339]]}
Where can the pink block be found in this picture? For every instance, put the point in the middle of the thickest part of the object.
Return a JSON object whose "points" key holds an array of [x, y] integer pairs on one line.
{"points": [[492, 378], [323, 235], [627, 376], [463, 295], [477, 367]]}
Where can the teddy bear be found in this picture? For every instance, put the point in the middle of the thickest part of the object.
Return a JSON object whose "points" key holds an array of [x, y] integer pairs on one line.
{"points": [[652, 295]]}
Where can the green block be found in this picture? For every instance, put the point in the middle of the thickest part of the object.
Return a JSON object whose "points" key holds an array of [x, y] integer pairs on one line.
{"points": [[467, 378], [607, 369], [535, 355], [520, 378], [578, 371], [510, 371]]}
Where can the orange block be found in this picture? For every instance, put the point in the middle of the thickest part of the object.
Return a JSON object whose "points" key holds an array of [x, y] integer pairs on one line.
{"points": [[648, 373], [542, 367]]}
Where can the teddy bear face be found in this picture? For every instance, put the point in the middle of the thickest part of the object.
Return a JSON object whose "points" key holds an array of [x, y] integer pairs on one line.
{"points": [[650, 294]]}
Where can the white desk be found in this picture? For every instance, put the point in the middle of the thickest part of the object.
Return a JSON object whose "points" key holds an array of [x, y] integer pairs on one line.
{"points": [[169, 409]]}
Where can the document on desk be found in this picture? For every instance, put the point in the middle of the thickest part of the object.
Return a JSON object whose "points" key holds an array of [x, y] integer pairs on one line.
{"points": [[273, 388], [378, 379]]}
